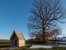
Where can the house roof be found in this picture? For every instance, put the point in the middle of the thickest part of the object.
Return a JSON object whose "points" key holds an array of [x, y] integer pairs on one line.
{"points": [[18, 34]]}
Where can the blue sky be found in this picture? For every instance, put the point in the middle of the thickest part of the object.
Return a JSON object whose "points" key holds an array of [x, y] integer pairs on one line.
{"points": [[14, 15]]}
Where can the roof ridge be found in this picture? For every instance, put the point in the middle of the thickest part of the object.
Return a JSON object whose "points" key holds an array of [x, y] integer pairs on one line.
{"points": [[18, 34]]}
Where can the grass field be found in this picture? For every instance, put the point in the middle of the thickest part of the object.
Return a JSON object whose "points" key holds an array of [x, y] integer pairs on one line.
{"points": [[5, 43], [25, 48]]}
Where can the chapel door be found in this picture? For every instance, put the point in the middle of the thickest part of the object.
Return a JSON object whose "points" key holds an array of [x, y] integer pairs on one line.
{"points": [[16, 42]]}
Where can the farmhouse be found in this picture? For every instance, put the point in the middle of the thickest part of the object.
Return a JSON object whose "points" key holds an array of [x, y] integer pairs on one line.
{"points": [[17, 39]]}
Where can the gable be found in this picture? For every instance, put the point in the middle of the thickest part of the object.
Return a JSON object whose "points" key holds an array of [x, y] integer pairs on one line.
{"points": [[13, 36], [18, 35]]}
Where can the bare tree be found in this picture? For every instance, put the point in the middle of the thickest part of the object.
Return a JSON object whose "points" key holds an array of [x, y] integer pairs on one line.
{"points": [[46, 14], [50, 35], [54, 33]]}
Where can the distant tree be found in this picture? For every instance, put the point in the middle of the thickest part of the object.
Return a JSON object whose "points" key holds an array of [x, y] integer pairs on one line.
{"points": [[55, 32], [49, 35], [45, 15]]}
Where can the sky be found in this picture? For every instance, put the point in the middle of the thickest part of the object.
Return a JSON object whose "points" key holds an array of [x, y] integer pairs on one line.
{"points": [[14, 16]]}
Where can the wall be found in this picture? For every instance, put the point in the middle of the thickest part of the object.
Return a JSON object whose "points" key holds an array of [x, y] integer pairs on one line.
{"points": [[21, 42]]}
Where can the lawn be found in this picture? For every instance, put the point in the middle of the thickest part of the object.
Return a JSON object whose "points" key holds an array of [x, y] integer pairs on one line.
{"points": [[55, 48], [5, 43]]}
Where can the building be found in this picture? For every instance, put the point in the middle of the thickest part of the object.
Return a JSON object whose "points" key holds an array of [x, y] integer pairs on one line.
{"points": [[17, 39]]}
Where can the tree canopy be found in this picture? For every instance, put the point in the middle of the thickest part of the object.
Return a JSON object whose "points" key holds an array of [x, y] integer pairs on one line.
{"points": [[46, 14]]}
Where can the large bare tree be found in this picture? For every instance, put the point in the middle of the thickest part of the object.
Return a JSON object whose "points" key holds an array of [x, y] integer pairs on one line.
{"points": [[46, 14]]}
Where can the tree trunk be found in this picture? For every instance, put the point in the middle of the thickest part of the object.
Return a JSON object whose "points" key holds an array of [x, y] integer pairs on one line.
{"points": [[43, 35]]}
